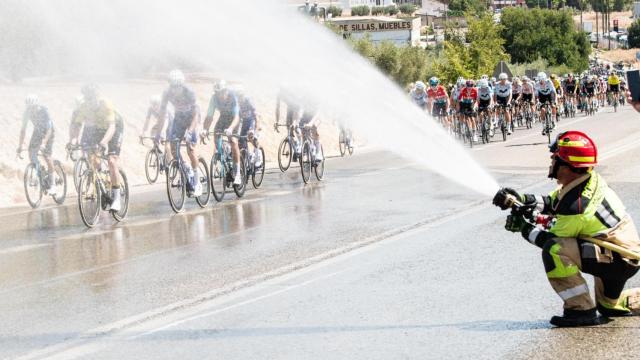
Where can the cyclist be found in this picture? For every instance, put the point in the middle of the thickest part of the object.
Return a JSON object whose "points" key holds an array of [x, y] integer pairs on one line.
{"points": [[528, 90], [516, 90], [101, 125], [602, 90], [41, 138], [226, 102], [250, 126], [467, 103], [310, 122], [419, 95], [185, 123], [437, 99], [591, 88], [485, 101], [614, 85], [559, 95], [485, 96], [546, 94], [163, 122], [502, 96], [570, 89], [294, 110]]}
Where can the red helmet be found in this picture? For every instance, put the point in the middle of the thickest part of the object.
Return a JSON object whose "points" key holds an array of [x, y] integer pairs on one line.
{"points": [[576, 149]]}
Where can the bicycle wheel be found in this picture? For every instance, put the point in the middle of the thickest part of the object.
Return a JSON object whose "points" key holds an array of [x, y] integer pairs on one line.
{"points": [[217, 177], [152, 166], [176, 186], [319, 166], [469, 133], [203, 171], [32, 186], [89, 199], [342, 142], [124, 198], [258, 172], [284, 155], [60, 180], [503, 127], [240, 189], [305, 162], [78, 169]]}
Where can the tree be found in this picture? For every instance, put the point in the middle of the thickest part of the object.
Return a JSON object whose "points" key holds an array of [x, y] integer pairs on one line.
{"points": [[486, 46], [634, 34], [407, 9], [475, 53], [547, 34]]}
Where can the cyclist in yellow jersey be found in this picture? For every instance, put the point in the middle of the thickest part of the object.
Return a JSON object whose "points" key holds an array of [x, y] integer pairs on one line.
{"points": [[614, 82], [99, 124]]}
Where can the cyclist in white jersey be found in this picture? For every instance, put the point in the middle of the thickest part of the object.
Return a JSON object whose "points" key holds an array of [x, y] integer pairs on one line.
{"points": [[502, 96], [546, 93], [419, 95]]}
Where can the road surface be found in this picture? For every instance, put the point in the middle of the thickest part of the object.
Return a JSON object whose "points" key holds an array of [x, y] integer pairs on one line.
{"points": [[382, 260]]}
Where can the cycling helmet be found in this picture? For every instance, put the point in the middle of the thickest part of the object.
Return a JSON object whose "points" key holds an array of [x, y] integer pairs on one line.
{"points": [[542, 76], [89, 92], [484, 77], [503, 76], [525, 78], [516, 79], [469, 83], [31, 100], [434, 81], [460, 81], [483, 83], [155, 100], [176, 78], [553, 76], [420, 85], [220, 85], [493, 79]]}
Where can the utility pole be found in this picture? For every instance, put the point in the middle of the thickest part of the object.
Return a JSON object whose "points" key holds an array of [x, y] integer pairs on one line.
{"points": [[608, 24]]}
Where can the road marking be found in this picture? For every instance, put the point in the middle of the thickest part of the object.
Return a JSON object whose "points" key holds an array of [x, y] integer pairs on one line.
{"points": [[286, 272], [17, 249]]}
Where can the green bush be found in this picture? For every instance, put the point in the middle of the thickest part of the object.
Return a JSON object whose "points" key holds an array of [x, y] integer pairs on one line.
{"points": [[377, 10], [634, 34], [548, 34], [335, 11], [407, 9], [391, 10], [362, 10]]}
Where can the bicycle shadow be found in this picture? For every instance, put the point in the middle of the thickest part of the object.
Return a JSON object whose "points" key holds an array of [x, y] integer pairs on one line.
{"points": [[530, 144]]}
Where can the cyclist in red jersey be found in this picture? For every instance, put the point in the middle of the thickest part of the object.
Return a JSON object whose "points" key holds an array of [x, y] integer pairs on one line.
{"points": [[467, 102], [438, 101]]}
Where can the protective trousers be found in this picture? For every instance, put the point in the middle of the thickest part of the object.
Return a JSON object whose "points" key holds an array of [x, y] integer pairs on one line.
{"points": [[563, 260]]}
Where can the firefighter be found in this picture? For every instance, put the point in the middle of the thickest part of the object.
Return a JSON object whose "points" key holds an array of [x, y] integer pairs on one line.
{"points": [[582, 206]]}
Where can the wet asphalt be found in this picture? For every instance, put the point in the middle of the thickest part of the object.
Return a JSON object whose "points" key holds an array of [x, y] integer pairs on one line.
{"points": [[380, 260]]}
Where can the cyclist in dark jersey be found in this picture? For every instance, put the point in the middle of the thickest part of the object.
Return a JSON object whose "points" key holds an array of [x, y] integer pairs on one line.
{"points": [[42, 136], [249, 123], [225, 101], [185, 121]]}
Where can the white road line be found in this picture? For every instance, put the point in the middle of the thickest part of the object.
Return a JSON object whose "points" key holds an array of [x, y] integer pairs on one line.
{"points": [[21, 248]]}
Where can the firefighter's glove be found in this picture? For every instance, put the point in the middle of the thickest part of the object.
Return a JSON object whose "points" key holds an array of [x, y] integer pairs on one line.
{"points": [[500, 199], [527, 228], [515, 223]]}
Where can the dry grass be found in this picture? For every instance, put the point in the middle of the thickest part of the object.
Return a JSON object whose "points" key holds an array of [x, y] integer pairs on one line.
{"points": [[619, 55], [624, 18]]}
